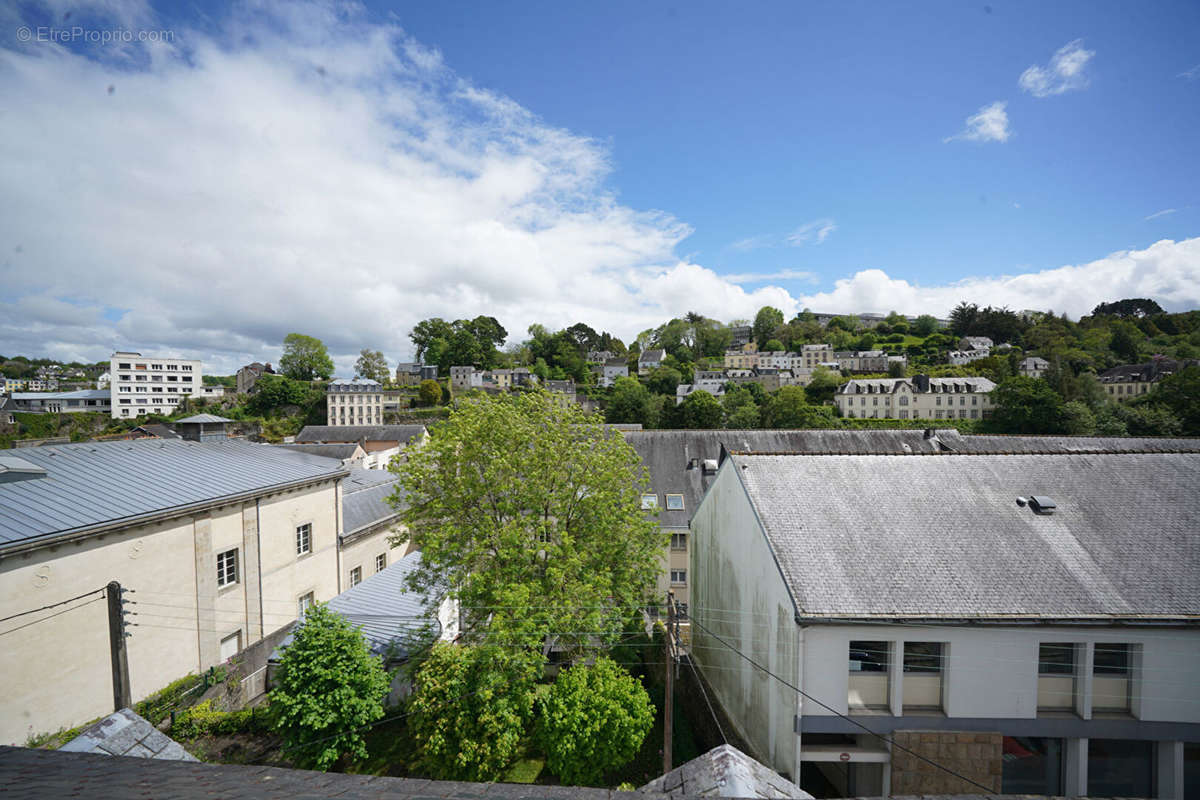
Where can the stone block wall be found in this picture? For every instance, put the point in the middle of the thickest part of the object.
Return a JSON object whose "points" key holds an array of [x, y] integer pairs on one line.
{"points": [[978, 756]]}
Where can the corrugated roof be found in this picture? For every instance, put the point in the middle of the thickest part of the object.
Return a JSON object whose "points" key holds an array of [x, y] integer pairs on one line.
{"points": [[94, 483], [197, 419], [879, 536], [364, 499], [339, 451], [79, 394], [357, 433]]}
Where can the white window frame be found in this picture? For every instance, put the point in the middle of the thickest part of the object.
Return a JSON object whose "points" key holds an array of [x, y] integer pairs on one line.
{"points": [[649, 501], [304, 539], [381, 562], [227, 568], [679, 577], [304, 603], [678, 498], [356, 576], [679, 541]]}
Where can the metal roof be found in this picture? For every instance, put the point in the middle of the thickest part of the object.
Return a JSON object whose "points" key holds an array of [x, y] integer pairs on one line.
{"points": [[339, 451], [96, 483], [80, 394], [359, 433], [364, 499], [201, 418]]}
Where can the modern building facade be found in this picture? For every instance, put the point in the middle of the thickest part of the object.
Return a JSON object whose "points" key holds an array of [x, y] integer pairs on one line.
{"points": [[95, 400], [151, 384], [354, 402]]}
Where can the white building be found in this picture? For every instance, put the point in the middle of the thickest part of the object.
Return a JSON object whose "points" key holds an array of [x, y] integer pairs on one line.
{"points": [[613, 368], [465, 377], [151, 384], [650, 360], [982, 611], [104, 380], [976, 343], [960, 357], [1033, 367], [354, 402], [918, 397], [83, 400]]}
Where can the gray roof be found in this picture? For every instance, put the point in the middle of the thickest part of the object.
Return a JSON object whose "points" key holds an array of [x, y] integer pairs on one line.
{"points": [[79, 394], [725, 771], [339, 451], [652, 355], [197, 419], [53, 773], [124, 733], [364, 499], [159, 430], [93, 484], [887, 536], [360, 433]]}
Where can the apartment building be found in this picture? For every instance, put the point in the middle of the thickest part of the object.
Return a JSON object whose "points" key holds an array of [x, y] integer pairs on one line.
{"points": [[741, 359], [918, 397], [151, 384], [1131, 380], [981, 610], [960, 357], [815, 355], [98, 400], [354, 402]]}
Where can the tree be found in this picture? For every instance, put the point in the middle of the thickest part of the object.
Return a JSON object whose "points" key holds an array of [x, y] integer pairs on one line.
{"points": [[924, 325], [628, 402], [458, 343], [470, 708], [305, 358], [701, 411], [429, 393], [773, 346], [896, 369], [741, 409], [663, 380], [1027, 405], [593, 720], [1132, 307], [789, 408], [765, 322], [275, 392], [1124, 342], [328, 686], [1181, 394], [371, 364], [821, 388], [528, 512], [963, 318]]}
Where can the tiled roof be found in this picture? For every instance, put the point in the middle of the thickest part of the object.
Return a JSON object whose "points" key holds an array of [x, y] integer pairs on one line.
{"points": [[95, 483], [124, 733], [356, 433], [725, 771], [885, 536]]}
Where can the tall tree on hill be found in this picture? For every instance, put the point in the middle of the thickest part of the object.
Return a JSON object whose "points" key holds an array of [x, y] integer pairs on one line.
{"points": [[1131, 307], [766, 321], [459, 343], [305, 358], [372, 365]]}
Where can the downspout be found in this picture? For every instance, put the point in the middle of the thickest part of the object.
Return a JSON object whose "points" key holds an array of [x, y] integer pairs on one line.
{"points": [[262, 619], [337, 530], [799, 719]]}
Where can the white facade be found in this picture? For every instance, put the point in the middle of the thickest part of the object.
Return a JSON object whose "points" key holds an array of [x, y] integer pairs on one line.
{"points": [[143, 385], [919, 397], [613, 369], [960, 357], [465, 377], [354, 402]]}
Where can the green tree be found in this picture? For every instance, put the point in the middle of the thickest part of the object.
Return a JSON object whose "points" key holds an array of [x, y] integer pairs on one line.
{"points": [[896, 369], [273, 393], [1078, 419], [924, 325], [663, 380], [429, 393], [789, 408], [1181, 394], [628, 402], [1133, 307], [328, 686], [305, 358], [592, 721], [821, 388], [470, 709], [765, 322], [701, 411], [1027, 405], [1125, 339], [528, 511], [371, 364], [773, 345], [741, 409]]}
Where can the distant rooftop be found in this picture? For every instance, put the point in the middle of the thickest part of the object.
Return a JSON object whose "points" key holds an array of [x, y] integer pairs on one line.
{"points": [[359, 433], [124, 733]]}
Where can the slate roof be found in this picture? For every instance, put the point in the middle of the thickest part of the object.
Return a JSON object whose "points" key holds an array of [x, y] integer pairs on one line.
{"points": [[159, 430], [197, 419], [53, 773], [887, 536], [652, 355], [725, 771], [125, 733], [359, 433], [78, 394], [364, 499], [339, 451], [93, 484]]}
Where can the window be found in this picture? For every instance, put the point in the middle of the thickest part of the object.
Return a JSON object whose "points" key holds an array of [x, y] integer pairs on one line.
{"points": [[380, 562], [679, 577], [923, 675], [356, 576], [679, 541], [227, 567], [305, 603], [1056, 676], [868, 681], [304, 539], [123, 365], [230, 645], [675, 502], [1032, 766], [1111, 674], [649, 501]]}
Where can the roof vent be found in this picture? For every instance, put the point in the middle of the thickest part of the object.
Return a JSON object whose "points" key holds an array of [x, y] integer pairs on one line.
{"points": [[14, 469], [1042, 504], [1022, 502], [710, 466]]}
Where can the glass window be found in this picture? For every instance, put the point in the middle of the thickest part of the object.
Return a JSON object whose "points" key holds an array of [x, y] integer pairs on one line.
{"points": [[305, 603], [649, 501], [1120, 768], [674, 502], [1111, 659], [304, 539], [356, 576], [380, 562], [1056, 658], [1032, 766], [227, 569], [679, 577], [868, 681], [679, 541], [923, 657], [869, 656]]}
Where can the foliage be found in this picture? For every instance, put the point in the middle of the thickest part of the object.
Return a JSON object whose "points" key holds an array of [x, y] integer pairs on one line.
{"points": [[329, 685], [1027, 405], [765, 322], [700, 410], [159, 705], [896, 369], [629, 401], [459, 343], [924, 325], [527, 510], [593, 720], [371, 364], [789, 408], [664, 380], [1132, 307], [741, 409], [470, 709], [821, 388], [203, 719], [305, 358], [272, 393], [1181, 394], [429, 393], [774, 345]]}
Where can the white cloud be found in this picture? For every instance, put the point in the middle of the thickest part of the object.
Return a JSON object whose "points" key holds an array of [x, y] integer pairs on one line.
{"points": [[989, 124], [1162, 213], [1064, 72], [1190, 74], [779, 275], [816, 231]]}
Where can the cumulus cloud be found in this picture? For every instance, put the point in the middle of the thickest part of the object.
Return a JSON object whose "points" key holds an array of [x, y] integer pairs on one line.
{"points": [[1064, 72], [989, 124]]}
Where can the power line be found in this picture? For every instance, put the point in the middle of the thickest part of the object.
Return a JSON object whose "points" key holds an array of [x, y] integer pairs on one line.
{"points": [[52, 605], [51, 616]]}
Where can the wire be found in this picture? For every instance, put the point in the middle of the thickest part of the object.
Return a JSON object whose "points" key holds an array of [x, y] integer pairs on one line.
{"points": [[51, 616], [707, 702], [52, 605], [851, 720]]}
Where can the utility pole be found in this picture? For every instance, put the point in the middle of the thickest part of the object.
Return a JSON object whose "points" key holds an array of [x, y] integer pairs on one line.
{"points": [[116, 643], [669, 706]]}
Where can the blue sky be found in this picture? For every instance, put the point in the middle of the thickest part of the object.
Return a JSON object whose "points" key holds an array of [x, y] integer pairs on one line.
{"points": [[347, 170]]}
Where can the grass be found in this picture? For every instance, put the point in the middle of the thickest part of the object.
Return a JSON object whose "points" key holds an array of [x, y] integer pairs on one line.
{"points": [[55, 740], [525, 770]]}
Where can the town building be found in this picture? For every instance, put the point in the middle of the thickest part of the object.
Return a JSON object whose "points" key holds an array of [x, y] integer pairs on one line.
{"points": [[379, 442], [649, 361], [97, 400], [816, 355], [248, 376], [960, 357], [104, 380], [741, 359], [613, 368], [1132, 380], [350, 454], [918, 397], [740, 336], [975, 343], [465, 377], [981, 610], [354, 402], [151, 384], [715, 388], [1033, 367], [600, 356], [411, 373]]}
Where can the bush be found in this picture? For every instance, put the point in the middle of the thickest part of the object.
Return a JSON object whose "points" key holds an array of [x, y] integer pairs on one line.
{"points": [[204, 720]]}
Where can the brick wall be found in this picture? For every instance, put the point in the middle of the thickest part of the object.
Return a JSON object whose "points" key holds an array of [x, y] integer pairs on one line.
{"points": [[977, 756]]}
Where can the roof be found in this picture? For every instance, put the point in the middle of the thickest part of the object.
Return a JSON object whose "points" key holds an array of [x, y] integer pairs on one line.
{"points": [[955, 544], [338, 451], [201, 419], [360, 433], [1035, 361], [53, 773], [365, 383], [364, 499], [81, 394], [159, 430], [94, 484], [651, 355], [725, 771], [124, 733], [915, 383]]}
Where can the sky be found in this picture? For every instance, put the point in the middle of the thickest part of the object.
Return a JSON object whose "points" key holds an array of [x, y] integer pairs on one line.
{"points": [[202, 179]]}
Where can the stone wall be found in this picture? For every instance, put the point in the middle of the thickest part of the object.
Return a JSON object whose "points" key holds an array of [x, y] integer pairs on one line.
{"points": [[977, 756]]}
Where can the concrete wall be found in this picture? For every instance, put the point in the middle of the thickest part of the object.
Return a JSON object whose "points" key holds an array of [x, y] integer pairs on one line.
{"points": [[738, 594], [362, 550]]}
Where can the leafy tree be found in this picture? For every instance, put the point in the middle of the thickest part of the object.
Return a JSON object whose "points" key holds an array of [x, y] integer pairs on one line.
{"points": [[924, 325], [371, 364], [789, 408], [963, 318], [470, 709], [528, 511], [593, 720], [305, 358], [1124, 343], [329, 685], [896, 369], [701, 411], [458, 343], [628, 402], [741, 410], [429, 393], [773, 345], [663, 380], [1027, 405], [1133, 307], [821, 388], [1078, 419], [275, 392], [765, 322], [1181, 394]]}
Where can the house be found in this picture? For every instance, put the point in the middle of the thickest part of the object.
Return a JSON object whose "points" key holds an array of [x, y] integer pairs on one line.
{"points": [[776, 359], [613, 368], [354, 402], [1129, 380], [466, 377], [411, 374], [151, 384], [918, 397], [214, 392], [380, 442], [600, 356], [960, 357], [741, 359], [988, 616], [565, 388], [83, 400], [649, 361], [248, 376], [1033, 367], [715, 388], [370, 525], [216, 542], [815, 355], [350, 454], [975, 343], [104, 380]]}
